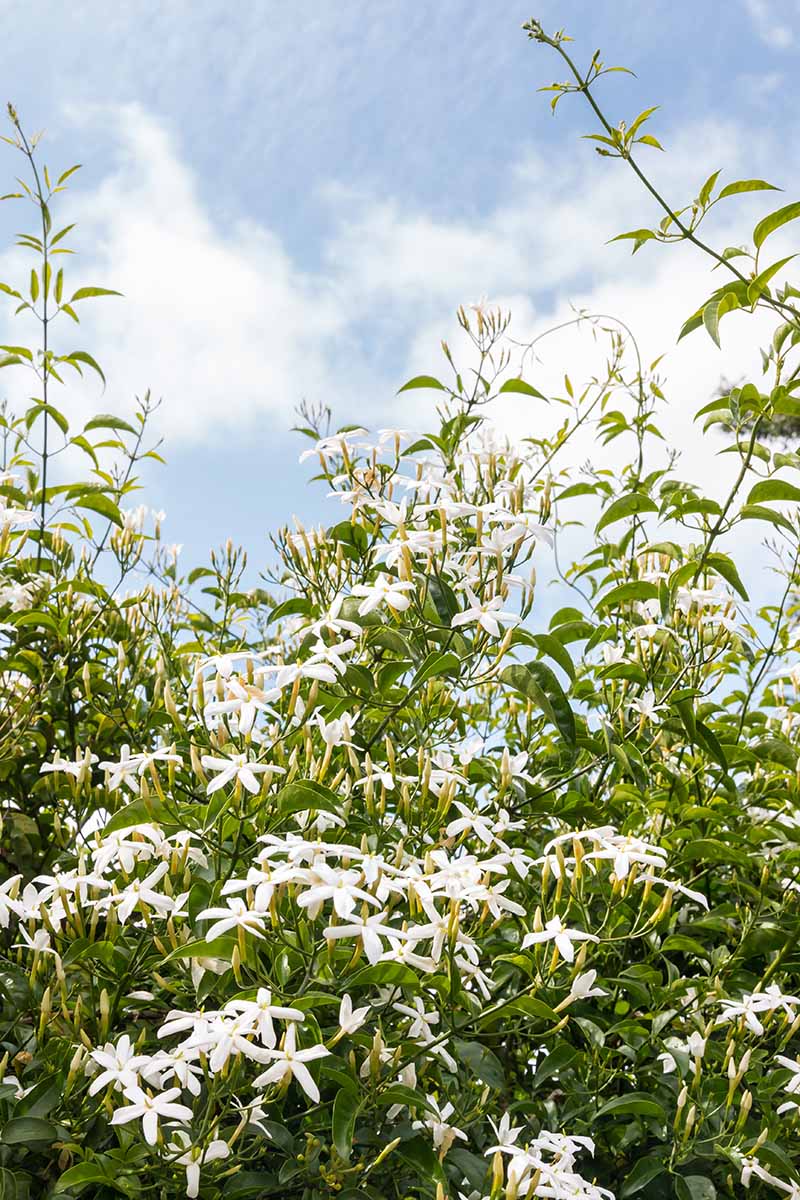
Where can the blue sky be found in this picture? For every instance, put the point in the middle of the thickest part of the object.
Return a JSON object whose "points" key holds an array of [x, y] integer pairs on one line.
{"points": [[295, 198]]}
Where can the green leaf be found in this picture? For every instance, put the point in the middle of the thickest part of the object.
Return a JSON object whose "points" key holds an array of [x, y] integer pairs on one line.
{"points": [[773, 489], [755, 512], [384, 974], [62, 233], [101, 504], [437, 663], [725, 567], [85, 293], [422, 381], [711, 316], [86, 446], [530, 1006], [686, 712], [345, 1110], [81, 1174], [775, 220], [640, 120], [108, 421], [304, 795], [398, 1093], [637, 236], [537, 683], [625, 593], [761, 280], [443, 598], [37, 410], [576, 489], [635, 1103], [138, 812], [221, 947], [626, 506], [13, 1185], [289, 608], [482, 1062], [42, 1097], [550, 645], [746, 185], [519, 385], [22, 1130], [81, 356], [418, 1152], [715, 310], [643, 1173], [471, 1166], [553, 1063], [199, 573], [694, 1187], [680, 942], [691, 323], [704, 195], [709, 740]]}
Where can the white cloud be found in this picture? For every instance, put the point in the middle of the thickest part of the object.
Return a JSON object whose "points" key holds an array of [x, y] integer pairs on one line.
{"points": [[762, 88], [232, 332], [769, 20]]}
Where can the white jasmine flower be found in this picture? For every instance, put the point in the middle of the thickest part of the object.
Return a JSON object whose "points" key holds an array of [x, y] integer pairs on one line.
{"points": [[150, 1109], [384, 590], [556, 931], [195, 1157], [444, 1134], [238, 768], [290, 1063], [120, 1066], [260, 1013], [486, 614], [350, 1019]]}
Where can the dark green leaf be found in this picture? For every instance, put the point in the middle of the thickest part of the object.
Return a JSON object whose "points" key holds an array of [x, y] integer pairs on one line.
{"points": [[78, 1176], [537, 683], [289, 608], [389, 974], [725, 567], [643, 1173], [23, 1130], [345, 1109], [635, 1103], [138, 812], [437, 663], [553, 1063], [554, 648], [482, 1062], [694, 1187], [221, 947], [305, 794]]}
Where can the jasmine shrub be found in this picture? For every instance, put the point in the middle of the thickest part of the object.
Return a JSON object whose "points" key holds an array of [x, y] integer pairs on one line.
{"points": [[371, 881]]}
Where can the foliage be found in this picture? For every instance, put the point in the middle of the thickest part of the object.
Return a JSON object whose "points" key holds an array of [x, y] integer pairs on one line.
{"points": [[369, 882]]}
